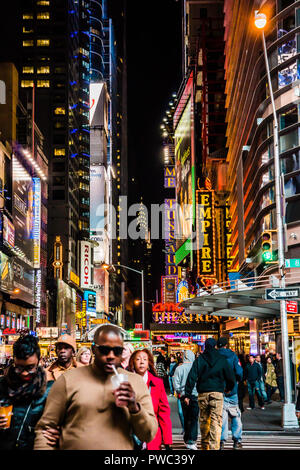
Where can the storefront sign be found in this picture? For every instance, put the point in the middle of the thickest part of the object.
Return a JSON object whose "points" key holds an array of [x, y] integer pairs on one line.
{"points": [[47, 332], [74, 278], [292, 306], [173, 313], [90, 298], [206, 251]]}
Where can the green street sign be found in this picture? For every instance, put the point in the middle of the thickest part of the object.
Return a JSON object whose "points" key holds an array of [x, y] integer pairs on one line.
{"points": [[292, 263]]}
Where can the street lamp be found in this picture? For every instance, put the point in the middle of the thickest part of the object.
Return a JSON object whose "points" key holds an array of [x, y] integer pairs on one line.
{"points": [[106, 266], [289, 419]]}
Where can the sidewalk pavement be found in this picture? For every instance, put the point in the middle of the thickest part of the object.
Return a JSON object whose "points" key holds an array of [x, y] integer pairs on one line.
{"points": [[255, 421]]}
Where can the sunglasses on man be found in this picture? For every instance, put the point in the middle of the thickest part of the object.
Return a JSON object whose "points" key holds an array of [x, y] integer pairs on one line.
{"points": [[31, 369], [105, 350]]}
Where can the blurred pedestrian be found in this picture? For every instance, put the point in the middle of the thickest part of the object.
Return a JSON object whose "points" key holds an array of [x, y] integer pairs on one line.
{"points": [[231, 402], [160, 366], [279, 375], [65, 348], [213, 376], [172, 367], [261, 383], [142, 362], [179, 405], [24, 387], [84, 356], [191, 411], [127, 351], [271, 382], [253, 376], [92, 414]]}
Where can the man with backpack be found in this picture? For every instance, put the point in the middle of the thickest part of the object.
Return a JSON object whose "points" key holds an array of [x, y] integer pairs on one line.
{"points": [[213, 376]]}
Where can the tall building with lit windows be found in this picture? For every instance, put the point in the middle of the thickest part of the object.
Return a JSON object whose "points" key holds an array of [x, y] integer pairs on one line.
{"points": [[50, 48], [250, 130]]}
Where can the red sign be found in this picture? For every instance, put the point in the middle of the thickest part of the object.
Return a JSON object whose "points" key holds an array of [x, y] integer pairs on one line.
{"points": [[292, 306], [167, 307], [138, 326]]}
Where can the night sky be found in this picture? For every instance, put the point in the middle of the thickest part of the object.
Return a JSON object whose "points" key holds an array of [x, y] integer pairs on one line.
{"points": [[154, 66]]}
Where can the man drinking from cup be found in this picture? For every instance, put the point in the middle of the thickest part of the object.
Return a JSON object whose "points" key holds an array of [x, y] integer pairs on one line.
{"points": [[92, 413], [23, 393]]}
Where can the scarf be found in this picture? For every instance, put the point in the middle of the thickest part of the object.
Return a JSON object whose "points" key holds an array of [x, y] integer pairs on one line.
{"points": [[18, 390]]}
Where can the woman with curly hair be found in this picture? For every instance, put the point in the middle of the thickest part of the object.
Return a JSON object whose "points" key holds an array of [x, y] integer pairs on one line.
{"points": [[142, 362]]}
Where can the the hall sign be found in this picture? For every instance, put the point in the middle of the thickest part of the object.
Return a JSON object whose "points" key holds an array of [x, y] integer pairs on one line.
{"points": [[172, 313], [206, 238]]}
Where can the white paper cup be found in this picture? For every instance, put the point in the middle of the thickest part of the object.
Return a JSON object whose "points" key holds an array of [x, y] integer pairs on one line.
{"points": [[116, 380]]}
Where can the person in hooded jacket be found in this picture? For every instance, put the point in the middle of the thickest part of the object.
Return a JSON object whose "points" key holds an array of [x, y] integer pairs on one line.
{"points": [[191, 411], [213, 375], [231, 400], [24, 386]]}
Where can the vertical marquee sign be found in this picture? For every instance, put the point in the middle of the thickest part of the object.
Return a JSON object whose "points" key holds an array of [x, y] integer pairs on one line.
{"points": [[170, 242], [206, 256]]}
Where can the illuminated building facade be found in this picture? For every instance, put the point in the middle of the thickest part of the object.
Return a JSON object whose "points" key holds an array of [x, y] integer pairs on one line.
{"points": [[250, 132]]}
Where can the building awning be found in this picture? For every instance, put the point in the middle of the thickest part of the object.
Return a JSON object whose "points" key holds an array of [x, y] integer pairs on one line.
{"points": [[247, 303]]}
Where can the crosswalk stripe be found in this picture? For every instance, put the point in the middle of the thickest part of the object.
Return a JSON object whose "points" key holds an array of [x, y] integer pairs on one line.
{"points": [[271, 442]]}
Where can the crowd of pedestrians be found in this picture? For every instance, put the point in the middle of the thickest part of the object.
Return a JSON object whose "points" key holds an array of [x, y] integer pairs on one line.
{"points": [[48, 404]]}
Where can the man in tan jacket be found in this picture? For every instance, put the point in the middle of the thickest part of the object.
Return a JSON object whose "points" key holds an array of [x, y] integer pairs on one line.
{"points": [[90, 414], [65, 348]]}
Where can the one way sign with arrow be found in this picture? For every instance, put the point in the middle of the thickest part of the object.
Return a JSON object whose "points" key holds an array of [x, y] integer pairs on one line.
{"points": [[281, 294]]}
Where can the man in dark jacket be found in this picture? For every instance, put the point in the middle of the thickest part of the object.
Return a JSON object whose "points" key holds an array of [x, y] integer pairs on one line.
{"points": [[25, 387], [253, 377], [279, 375], [212, 375], [231, 401]]}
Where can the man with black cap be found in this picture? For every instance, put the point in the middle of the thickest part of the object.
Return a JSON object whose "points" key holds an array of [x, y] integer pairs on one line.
{"points": [[212, 375], [231, 400]]}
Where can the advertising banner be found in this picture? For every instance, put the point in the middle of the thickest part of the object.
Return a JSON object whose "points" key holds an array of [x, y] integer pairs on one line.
{"points": [[182, 292], [36, 231], [24, 280], [8, 232], [101, 286], [6, 273], [169, 286], [97, 197], [66, 307], [86, 264], [169, 177], [90, 298], [22, 210]]}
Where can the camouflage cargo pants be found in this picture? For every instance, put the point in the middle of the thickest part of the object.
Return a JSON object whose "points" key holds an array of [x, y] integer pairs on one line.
{"points": [[211, 410]]}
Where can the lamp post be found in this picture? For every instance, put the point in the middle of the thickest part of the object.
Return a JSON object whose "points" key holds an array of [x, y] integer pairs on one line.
{"points": [[289, 419], [106, 266]]}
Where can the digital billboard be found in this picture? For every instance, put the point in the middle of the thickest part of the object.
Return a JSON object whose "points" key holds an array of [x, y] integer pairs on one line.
{"points": [[66, 306], [97, 197], [23, 210], [185, 164]]}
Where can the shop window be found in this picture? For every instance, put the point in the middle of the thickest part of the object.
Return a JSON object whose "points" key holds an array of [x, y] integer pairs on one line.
{"points": [[290, 163], [43, 83], [288, 118], [26, 83], [59, 152], [43, 69], [43, 42], [288, 141], [44, 15], [28, 43], [28, 69], [27, 16], [60, 110]]}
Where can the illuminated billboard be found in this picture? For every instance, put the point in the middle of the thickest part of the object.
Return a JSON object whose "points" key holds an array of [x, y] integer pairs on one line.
{"points": [[36, 231], [23, 210], [66, 306], [185, 164], [97, 197], [86, 264]]}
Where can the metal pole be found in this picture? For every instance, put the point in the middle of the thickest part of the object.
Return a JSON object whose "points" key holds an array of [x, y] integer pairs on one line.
{"points": [[289, 419], [143, 301]]}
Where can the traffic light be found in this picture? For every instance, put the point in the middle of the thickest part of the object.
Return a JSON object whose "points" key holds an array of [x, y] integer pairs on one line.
{"points": [[266, 246]]}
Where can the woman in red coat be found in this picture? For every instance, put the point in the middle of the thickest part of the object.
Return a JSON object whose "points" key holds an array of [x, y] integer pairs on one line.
{"points": [[142, 363]]}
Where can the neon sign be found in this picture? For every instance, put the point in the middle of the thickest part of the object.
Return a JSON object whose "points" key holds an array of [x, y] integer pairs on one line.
{"points": [[206, 255], [36, 232], [172, 313], [170, 242]]}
